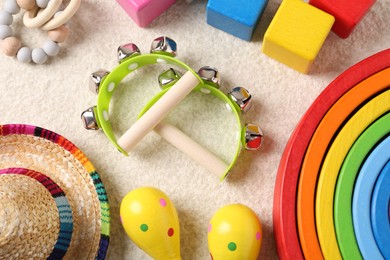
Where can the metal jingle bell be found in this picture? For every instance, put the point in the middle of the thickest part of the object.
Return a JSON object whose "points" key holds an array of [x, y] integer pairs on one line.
{"points": [[210, 75], [89, 119], [241, 97], [126, 51], [168, 78], [164, 45], [95, 80], [253, 137]]}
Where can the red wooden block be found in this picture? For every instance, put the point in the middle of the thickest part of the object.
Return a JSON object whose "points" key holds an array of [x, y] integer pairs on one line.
{"points": [[346, 12]]}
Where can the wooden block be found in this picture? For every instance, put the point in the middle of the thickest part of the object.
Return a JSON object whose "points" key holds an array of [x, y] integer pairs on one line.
{"points": [[380, 211], [321, 139], [347, 13], [284, 211], [238, 18], [332, 165], [345, 185], [361, 201], [143, 12], [296, 34]]}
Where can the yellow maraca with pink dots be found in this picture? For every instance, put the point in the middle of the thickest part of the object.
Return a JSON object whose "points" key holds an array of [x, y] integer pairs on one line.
{"points": [[234, 233], [151, 221]]}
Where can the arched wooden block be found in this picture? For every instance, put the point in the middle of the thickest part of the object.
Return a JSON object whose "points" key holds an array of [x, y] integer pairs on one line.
{"points": [[284, 211], [361, 201], [321, 140], [332, 165], [379, 211], [345, 185]]}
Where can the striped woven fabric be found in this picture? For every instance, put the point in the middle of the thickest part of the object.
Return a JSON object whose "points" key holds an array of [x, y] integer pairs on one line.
{"points": [[19, 129]]}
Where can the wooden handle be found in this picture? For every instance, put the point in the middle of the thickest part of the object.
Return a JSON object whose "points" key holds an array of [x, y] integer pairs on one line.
{"points": [[188, 146], [158, 111]]}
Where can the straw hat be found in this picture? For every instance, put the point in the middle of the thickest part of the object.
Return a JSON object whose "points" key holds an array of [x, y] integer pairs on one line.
{"points": [[52, 202]]}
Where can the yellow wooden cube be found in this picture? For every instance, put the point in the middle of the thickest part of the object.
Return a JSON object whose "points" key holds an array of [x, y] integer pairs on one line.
{"points": [[296, 34]]}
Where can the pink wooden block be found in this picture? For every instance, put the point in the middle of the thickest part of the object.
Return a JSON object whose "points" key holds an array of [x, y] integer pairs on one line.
{"points": [[143, 12], [347, 13]]}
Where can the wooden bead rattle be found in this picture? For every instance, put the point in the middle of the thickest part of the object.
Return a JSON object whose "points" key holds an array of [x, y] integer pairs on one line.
{"points": [[175, 90], [234, 233], [49, 18], [151, 221]]}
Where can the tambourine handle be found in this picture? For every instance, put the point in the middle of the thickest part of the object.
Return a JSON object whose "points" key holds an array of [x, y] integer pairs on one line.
{"points": [[158, 111]]}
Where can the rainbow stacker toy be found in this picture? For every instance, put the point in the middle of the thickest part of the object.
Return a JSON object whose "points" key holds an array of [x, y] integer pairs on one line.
{"points": [[326, 193]]}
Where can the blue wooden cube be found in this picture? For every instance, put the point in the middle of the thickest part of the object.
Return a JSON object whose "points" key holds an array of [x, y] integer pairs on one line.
{"points": [[238, 18]]}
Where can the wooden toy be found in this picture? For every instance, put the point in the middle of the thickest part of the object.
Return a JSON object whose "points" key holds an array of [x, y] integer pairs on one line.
{"points": [[296, 34], [345, 184], [316, 150], [151, 221], [379, 211], [361, 201], [49, 19], [46, 19], [235, 17], [143, 12], [331, 167], [234, 233], [284, 212], [347, 13]]}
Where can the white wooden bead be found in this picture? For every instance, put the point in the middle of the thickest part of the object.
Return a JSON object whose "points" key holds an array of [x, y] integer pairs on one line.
{"points": [[6, 18], [24, 55], [11, 6], [5, 31], [57, 13], [38, 56], [42, 3], [59, 34], [10, 46], [26, 4], [51, 48]]}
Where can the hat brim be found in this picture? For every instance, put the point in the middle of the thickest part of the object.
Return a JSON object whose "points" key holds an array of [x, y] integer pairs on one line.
{"points": [[38, 149]]}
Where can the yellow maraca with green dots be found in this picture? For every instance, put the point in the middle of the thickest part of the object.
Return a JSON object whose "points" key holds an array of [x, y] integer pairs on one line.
{"points": [[234, 233], [151, 221]]}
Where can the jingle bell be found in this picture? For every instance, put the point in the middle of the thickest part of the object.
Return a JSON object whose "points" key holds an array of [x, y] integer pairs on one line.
{"points": [[126, 51], [95, 80], [164, 45], [210, 75], [89, 119]]}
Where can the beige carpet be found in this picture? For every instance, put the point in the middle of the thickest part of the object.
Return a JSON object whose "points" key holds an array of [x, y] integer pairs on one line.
{"points": [[53, 96]]}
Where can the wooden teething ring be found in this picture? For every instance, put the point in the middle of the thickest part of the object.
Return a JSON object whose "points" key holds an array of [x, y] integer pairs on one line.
{"points": [[45, 20], [33, 19]]}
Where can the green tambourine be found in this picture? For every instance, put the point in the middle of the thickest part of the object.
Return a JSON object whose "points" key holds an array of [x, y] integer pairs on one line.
{"points": [[176, 88]]}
